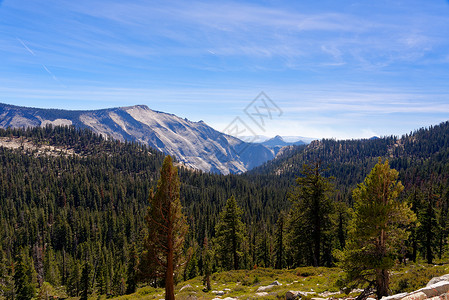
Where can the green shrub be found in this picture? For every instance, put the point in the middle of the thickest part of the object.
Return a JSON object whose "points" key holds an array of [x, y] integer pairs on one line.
{"points": [[146, 290]]}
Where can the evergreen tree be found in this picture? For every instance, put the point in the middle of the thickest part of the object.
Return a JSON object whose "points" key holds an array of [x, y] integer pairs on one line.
{"points": [[443, 224], [23, 277], [229, 234], [85, 281], [310, 216], [73, 282], [263, 248], [38, 264], [191, 268], [167, 228], [376, 230], [207, 264], [414, 199], [131, 280], [279, 242], [6, 282], [118, 281], [428, 229], [101, 275], [51, 269]]}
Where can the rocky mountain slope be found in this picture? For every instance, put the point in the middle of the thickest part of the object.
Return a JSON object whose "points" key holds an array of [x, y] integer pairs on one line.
{"points": [[195, 144]]}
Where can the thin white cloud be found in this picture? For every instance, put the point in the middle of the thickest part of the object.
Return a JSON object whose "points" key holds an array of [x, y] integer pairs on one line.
{"points": [[26, 47], [298, 40], [216, 56]]}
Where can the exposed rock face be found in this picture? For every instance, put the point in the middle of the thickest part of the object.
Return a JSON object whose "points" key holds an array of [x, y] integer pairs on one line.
{"points": [[195, 144], [267, 287], [291, 295], [436, 288], [185, 287], [438, 279]]}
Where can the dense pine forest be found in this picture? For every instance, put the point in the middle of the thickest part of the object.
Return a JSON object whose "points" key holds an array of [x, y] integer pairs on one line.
{"points": [[73, 221]]}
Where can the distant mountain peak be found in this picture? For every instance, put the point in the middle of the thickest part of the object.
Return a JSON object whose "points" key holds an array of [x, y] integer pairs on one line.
{"points": [[277, 143], [278, 138]]}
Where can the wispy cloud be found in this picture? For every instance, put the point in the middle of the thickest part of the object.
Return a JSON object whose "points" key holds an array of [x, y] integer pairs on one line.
{"points": [[285, 37], [26, 47], [43, 66], [326, 64], [239, 29]]}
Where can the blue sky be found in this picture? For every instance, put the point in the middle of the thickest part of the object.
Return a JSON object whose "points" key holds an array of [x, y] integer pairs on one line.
{"points": [[342, 69]]}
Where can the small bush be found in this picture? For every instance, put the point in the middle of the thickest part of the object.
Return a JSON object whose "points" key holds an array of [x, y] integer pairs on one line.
{"points": [[146, 290], [308, 271]]}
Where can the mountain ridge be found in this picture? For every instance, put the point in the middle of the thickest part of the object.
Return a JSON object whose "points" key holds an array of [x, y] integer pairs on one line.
{"points": [[195, 144], [354, 158]]}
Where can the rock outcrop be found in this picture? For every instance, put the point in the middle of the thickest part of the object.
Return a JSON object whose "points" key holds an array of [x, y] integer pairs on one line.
{"points": [[437, 288], [267, 287]]}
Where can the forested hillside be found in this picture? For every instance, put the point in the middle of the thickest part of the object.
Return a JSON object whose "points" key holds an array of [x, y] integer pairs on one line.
{"points": [[62, 210], [417, 155], [75, 217]]}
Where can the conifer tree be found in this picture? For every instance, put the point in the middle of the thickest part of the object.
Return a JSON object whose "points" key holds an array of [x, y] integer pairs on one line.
{"points": [[263, 248], [73, 282], [131, 280], [428, 228], [23, 277], [3, 273], [279, 242], [191, 268], [229, 234], [376, 231], [167, 228], [101, 275], [443, 222], [118, 280], [85, 282], [207, 264], [310, 216], [415, 201], [51, 269]]}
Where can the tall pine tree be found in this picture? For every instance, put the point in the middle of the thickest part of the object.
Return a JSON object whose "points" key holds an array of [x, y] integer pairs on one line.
{"points": [[167, 228], [279, 242], [24, 285], [131, 280], [229, 234], [377, 230], [310, 216]]}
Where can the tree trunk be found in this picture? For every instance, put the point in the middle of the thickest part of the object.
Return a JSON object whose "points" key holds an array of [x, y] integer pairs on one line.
{"points": [[208, 287], [317, 244], [414, 247], [382, 283], [234, 249], [382, 276], [169, 280], [429, 239]]}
